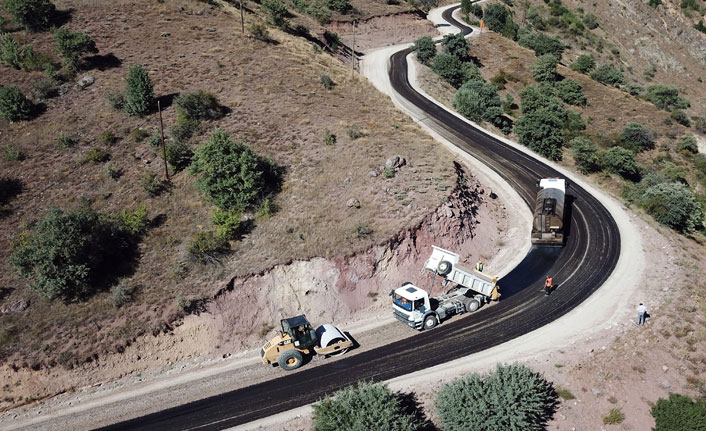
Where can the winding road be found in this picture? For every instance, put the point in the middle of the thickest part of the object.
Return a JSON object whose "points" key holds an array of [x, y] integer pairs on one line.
{"points": [[590, 255]]}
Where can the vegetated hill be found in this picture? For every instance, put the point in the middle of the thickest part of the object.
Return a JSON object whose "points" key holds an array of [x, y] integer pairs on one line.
{"points": [[284, 97]]}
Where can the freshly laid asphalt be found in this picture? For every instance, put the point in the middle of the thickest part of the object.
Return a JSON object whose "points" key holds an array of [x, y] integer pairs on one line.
{"points": [[589, 256]]}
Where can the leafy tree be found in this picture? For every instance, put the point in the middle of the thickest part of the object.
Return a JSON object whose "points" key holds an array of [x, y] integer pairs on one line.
{"points": [[10, 51], [14, 106], [585, 154], [477, 10], [571, 92], [70, 254], [365, 407], [228, 171], [495, 15], [609, 75], [544, 68], [620, 161], [544, 119], [449, 68], [276, 11], [688, 143], [513, 397], [584, 64], [425, 49], [474, 98], [637, 137], [679, 412], [33, 15], [541, 43], [71, 45], [456, 45], [466, 7], [674, 205], [666, 97], [533, 97], [139, 93]]}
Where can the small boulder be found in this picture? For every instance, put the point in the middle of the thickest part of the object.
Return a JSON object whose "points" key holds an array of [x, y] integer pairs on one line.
{"points": [[373, 173], [353, 203], [86, 81], [665, 384], [395, 162]]}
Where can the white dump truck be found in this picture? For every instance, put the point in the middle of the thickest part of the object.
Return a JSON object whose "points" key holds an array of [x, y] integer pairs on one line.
{"points": [[471, 289]]}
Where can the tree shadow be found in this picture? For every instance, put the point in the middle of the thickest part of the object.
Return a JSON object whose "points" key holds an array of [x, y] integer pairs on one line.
{"points": [[411, 406], [5, 292], [166, 100], [101, 62], [10, 188], [61, 17]]}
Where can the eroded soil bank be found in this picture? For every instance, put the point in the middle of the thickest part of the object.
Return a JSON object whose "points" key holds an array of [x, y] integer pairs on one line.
{"points": [[246, 311]]}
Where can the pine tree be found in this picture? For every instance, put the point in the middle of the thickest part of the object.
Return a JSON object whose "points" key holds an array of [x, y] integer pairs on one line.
{"points": [[139, 94]]}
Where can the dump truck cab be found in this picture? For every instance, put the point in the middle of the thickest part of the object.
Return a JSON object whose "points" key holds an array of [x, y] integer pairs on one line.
{"points": [[410, 304]]}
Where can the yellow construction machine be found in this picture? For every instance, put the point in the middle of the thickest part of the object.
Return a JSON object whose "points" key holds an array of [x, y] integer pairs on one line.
{"points": [[298, 340]]}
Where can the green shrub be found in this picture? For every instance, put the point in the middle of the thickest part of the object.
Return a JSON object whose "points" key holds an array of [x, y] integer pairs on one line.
{"points": [[620, 161], [476, 10], [183, 130], [680, 117], [565, 394], [266, 210], [120, 295], [14, 106], [541, 43], [327, 82], [614, 416], [654, 3], [666, 97], [207, 247], [135, 221], [590, 21], [674, 172], [320, 13], [329, 138], [367, 406], [107, 137], [227, 223], [340, 6], [673, 205], [688, 143], [585, 154], [609, 75], [637, 137], [197, 106], [12, 154], [276, 11], [513, 397], [571, 92], [70, 254], [71, 45], [229, 172], [470, 72], [679, 413], [111, 171], [259, 32], [634, 89], [44, 88], [151, 183], [584, 64], [449, 68], [33, 15], [155, 140], [97, 155], [10, 51], [425, 49], [179, 155], [544, 68], [388, 172], [116, 98], [65, 141], [474, 98], [355, 132], [456, 45], [138, 135], [139, 93]]}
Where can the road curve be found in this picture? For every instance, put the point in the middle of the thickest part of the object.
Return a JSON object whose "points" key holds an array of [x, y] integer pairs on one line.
{"points": [[587, 260]]}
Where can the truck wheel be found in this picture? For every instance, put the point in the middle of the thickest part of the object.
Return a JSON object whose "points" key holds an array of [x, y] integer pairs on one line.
{"points": [[444, 267], [430, 322], [290, 360], [472, 305]]}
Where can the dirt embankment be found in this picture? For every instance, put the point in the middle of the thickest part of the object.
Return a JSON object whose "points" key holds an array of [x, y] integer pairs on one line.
{"points": [[244, 312]]}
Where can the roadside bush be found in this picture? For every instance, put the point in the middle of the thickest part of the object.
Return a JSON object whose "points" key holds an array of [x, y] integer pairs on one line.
{"points": [[585, 154], [673, 205], [513, 397], [544, 68], [620, 161], [609, 75], [10, 51], [471, 72], [688, 143], [495, 17], [456, 45], [544, 119], [135, 221], [571, 92], [367, 406], [425, 49], [33, 15], [207, 247], [449, 68], [679, 412], [227, 223], [179, 155], [276, 11], [14, 106], [69, 255], [139, 93], [680, 117], [197, 106], [574, 122], [584, 64], [71, 45], [229, 172], [666, 97], [474, 98], [637, 137]]}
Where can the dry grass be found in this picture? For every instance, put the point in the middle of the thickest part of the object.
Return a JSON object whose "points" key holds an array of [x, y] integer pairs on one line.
{"points": [[277, 106]]}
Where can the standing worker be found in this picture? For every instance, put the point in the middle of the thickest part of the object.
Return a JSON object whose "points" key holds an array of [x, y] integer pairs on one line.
{"points": [[641, 312], [548, 285], [479, 266]]}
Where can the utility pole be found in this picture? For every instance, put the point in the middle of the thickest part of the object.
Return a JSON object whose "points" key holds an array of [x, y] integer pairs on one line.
{"points": [[353, 51], [164, 145], [242, 19]]}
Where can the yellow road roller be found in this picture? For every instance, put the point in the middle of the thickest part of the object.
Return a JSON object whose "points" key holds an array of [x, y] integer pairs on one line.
{"points": [[298, 340]]}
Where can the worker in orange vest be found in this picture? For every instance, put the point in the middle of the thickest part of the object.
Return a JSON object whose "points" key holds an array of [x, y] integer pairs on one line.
{"points": [[548, 285]]}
